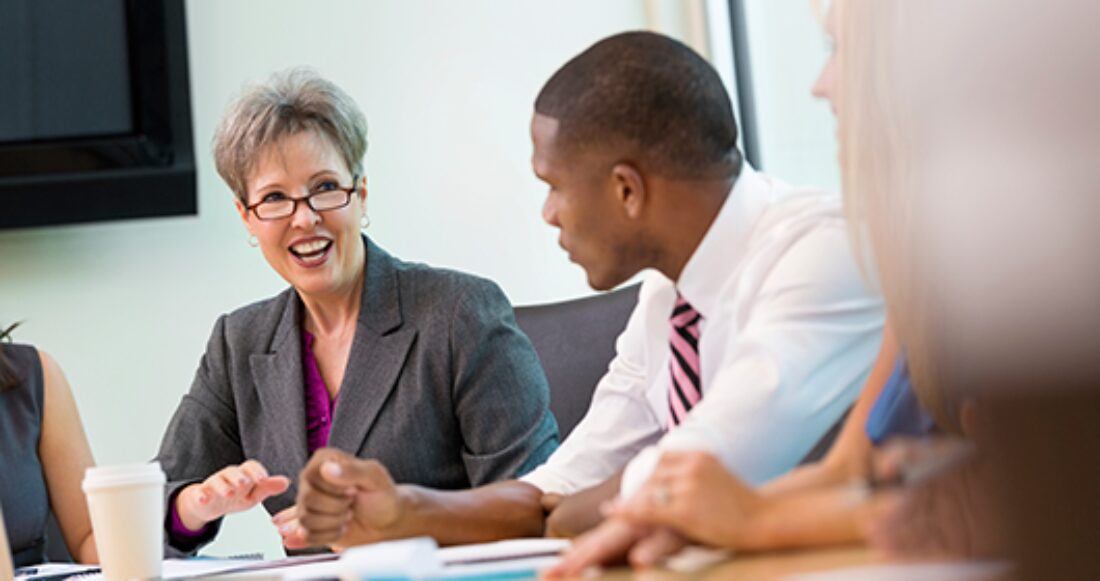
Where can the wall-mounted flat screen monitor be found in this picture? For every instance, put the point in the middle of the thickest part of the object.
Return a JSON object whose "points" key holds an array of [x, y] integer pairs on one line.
{"points": [[95, 118]]}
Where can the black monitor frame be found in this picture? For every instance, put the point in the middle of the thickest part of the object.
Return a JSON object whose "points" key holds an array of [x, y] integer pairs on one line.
{"points": [[746, 94], [150, 172]]}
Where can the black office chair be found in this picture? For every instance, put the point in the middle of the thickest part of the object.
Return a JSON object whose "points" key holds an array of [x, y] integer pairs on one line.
{"points": [[575, 341]]}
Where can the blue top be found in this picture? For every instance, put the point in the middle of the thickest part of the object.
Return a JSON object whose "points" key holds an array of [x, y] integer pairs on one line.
{"points": [[897, 411], [23, 496]]}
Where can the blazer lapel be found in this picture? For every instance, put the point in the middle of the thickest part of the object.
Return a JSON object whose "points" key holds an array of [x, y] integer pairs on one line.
{"points": [[278, 378], [377, 356]]}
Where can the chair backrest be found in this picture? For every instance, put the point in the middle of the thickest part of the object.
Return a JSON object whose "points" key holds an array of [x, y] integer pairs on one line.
{"points": [[575, 341]]}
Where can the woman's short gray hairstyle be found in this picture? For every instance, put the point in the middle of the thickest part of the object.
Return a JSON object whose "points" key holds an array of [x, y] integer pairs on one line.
{"points": [[290, 102]]}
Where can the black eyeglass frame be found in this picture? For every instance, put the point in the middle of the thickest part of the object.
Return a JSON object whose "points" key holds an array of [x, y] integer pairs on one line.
{"points": [[308, 199]]}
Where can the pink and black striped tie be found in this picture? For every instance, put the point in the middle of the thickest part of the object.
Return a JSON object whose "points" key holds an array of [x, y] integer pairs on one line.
{"points": [[686, 388]]}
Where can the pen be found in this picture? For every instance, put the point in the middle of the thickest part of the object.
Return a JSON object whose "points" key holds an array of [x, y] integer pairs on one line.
{"points": [[924, 469], [912, 474], [498, 558]]}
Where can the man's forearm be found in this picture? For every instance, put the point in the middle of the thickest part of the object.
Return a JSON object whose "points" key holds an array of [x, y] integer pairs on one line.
{"points": [[502, 510]]}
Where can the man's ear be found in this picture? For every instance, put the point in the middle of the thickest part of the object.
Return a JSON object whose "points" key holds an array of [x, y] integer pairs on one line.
{"points": [[630, 188]]}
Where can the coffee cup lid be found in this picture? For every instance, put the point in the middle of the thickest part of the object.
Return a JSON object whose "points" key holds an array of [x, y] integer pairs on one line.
{"points": [[98, 477]]}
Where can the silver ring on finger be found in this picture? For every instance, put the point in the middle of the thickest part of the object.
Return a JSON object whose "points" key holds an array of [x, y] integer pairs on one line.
{"points": [[660, 496]]}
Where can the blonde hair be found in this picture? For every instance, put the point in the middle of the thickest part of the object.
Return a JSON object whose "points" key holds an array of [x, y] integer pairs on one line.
{"points": [[876, 129], [292, 101]]}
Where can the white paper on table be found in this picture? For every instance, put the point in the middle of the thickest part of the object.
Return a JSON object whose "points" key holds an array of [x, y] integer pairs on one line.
{"points": [[53, 570], [182, 568], [512, 556], [201, 567], [314, 570], [419, 558], [282, 568], [516, 556], [694, 558], [943, 571], [510, 550]]}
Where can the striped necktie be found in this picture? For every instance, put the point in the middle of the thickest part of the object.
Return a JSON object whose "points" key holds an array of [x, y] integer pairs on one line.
{"points": [[685, 387]]}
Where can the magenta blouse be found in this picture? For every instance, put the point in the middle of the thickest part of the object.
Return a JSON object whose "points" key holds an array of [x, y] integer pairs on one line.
{"points": [[319, 408]]}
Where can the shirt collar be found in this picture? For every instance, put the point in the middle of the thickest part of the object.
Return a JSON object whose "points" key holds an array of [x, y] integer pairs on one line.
{"points": [[723, 246]]}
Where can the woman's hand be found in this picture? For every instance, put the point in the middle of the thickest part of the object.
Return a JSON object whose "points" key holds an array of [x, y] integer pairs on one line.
{"points": [[949, 513], [231, 489], [614, 541], [689, 497], [286, 521], [694, 494]]}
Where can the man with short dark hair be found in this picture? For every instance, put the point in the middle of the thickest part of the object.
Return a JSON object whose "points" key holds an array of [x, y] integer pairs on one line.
{"points": [[750, 339]]}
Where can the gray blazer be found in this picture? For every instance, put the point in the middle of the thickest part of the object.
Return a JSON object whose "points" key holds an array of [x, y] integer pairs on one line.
{"points": [[441, 387]]}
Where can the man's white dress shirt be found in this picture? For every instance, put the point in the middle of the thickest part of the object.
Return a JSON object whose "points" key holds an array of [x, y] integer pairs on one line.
{"points": [[789, 332]]}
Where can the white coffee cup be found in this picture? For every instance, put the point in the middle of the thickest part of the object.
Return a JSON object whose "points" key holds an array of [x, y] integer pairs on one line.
{"points": [[126, 504]]}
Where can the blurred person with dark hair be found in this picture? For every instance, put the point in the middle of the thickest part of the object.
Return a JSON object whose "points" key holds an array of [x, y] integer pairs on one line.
{"points": [[749, 340], [43, 452]]}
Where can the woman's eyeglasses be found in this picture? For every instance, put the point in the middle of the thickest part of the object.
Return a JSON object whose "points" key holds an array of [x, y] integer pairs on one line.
{"points": [[325, 196]]}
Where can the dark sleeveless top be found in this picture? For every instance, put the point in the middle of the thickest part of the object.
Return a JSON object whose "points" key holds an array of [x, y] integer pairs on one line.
{"points": [[897, 411], [23, 495]]}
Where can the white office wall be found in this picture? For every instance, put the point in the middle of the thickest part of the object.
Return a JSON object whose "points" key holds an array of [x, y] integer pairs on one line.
{"points": [[797, 133]]}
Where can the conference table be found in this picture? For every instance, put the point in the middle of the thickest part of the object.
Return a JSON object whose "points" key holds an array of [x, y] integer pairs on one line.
{"points": [[833, 563], [845, 563], [759, 567], [740, 568]]}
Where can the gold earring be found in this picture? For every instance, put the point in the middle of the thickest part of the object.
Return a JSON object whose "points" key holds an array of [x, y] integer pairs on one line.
{"points": [[253, 241]]}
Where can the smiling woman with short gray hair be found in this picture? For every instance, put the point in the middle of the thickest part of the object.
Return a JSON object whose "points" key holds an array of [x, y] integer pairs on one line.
{"points": [[421, 368]]}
